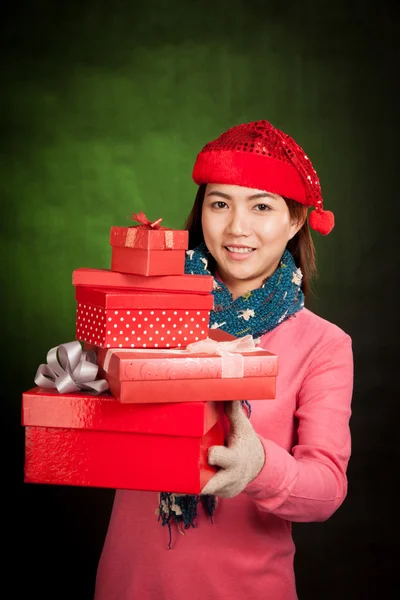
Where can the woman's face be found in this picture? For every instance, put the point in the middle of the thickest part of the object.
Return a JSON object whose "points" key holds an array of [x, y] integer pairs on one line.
{"points": [[246, 231]]}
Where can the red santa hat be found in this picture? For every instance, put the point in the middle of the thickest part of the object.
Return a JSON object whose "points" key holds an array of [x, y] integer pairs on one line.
{"points": [[259, 156]]}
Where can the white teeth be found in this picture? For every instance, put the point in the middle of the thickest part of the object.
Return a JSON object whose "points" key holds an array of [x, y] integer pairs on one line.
{"points": [[239, 250]]}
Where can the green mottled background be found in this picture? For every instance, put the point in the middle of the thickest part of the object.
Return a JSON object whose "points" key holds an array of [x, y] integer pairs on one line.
{"points": [[104, 106]]}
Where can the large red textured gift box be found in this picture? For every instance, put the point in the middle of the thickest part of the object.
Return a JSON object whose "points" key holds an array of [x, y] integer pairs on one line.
{"points": [[85, 440], [110, 318], [148, 249], [141, 376]]}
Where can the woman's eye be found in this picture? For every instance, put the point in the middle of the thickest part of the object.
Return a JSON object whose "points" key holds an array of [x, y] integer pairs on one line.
{"points": [[262, 207], [218, 204]]}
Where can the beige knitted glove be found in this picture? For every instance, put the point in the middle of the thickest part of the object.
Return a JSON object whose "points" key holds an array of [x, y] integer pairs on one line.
{"points": [[240, 461]]}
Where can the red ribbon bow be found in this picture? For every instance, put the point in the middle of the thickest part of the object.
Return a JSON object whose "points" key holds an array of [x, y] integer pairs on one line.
{"points": [[145, 222]]}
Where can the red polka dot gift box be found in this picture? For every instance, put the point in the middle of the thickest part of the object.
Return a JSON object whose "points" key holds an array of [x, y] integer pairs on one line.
{"points": [[148, 249], [112, 318], [80, 439]]}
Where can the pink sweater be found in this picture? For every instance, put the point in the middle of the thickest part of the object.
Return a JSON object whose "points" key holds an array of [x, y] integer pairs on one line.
{"points": [[247, 554]]}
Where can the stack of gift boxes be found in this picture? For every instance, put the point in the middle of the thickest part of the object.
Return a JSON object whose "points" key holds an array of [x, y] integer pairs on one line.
{"points": [[143, 326]]}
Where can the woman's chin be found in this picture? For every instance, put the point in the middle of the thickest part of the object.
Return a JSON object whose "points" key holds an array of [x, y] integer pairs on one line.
{"points": [[239, 272]]}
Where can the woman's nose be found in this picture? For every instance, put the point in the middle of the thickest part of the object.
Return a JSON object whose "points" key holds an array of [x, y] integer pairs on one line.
{"points": [[238, 224]]}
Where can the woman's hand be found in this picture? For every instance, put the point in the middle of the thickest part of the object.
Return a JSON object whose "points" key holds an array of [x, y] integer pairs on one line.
{"points": [[240, 461]]}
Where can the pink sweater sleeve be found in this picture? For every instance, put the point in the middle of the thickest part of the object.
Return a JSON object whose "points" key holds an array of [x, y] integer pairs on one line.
{"points": [[310, 483]]}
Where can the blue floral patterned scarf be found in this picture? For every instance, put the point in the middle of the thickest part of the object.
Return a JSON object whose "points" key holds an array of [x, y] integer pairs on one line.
{"points": [[258, 311]]}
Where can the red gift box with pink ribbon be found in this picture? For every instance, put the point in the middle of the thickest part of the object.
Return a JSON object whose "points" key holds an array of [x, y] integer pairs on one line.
{"points": [[148, 248], [207, 370], [77, 433]]}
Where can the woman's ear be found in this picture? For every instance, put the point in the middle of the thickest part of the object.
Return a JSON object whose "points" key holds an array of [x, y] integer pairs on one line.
{"points": [[297, 224]]}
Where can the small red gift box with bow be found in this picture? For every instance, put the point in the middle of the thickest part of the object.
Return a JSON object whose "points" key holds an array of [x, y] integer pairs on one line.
{"points": [[148, 249]]}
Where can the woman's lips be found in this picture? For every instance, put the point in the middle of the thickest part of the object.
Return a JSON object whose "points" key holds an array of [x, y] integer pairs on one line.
{"points": [[238, 255]]}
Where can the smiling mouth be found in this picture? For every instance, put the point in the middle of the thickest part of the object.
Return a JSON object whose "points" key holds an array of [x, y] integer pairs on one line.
{"points": [[234, 250]]}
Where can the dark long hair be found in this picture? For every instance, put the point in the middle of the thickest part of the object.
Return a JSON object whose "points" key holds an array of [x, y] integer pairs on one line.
{"points": [[301, 246]]}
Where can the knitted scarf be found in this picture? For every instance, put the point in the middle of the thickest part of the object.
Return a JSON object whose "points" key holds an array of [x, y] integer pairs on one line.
{"points": [[256, 312]]}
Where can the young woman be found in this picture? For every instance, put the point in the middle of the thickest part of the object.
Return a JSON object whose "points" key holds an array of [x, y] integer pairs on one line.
{"points": [[284, 460]]}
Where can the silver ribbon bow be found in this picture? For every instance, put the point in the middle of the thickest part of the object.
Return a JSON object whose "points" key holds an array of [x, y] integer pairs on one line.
{"points": [[69, 369]]}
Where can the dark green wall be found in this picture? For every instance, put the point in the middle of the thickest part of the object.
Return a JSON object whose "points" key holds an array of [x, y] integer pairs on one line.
{"points": [[104, 107]]}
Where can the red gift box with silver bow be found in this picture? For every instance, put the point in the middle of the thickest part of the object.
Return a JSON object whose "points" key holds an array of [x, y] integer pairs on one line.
{"points": [[148, 249], [77, 433], [207, 370]]}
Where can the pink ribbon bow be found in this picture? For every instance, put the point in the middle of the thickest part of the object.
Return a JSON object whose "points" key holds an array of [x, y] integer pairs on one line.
{"points": [[232, 360]]}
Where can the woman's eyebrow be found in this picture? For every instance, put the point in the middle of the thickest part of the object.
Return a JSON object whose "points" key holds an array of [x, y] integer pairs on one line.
{"points": [[252, 197], [261, 195], [220, 194]]}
